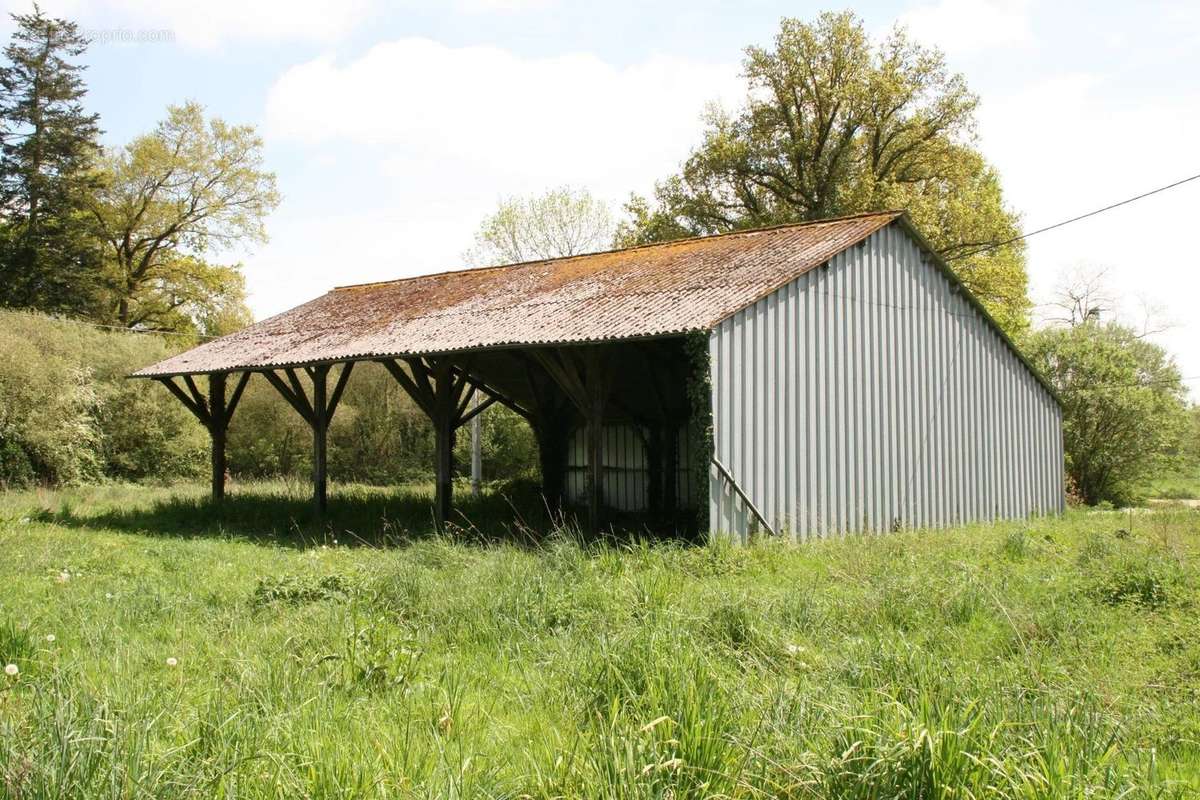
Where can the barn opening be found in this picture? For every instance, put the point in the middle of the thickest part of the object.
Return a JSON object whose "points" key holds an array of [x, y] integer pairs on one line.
{"points": [[808, 380]]}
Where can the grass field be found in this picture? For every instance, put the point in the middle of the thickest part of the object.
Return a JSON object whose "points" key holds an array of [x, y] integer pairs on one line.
{"points": [[167, 649]]}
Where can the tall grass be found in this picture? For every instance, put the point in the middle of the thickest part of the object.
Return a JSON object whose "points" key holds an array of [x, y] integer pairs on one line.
{"points": [[1055, 658]]}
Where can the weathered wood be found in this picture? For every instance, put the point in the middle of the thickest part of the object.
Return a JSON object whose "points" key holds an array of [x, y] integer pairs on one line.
{"points": [[237, 395], [299, 403], [549, 415], [585, 376], [336, 397], [218, 426], [199, 410], [654, 464], [320, 428], [439, 388], [214, 412], [479, 408], [317, 412]]}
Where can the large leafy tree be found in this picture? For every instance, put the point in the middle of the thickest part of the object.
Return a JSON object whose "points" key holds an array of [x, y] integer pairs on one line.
{"points": [[48, 256], [559, 222], [171, 198], [833, 124], [1123, 404]]}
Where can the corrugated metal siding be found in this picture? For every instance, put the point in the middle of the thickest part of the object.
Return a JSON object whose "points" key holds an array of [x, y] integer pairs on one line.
{"points": [[870, 394], [627, 470]]}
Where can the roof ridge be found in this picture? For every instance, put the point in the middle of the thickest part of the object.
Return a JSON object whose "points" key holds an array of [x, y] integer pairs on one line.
{"points": [[894, 213]]}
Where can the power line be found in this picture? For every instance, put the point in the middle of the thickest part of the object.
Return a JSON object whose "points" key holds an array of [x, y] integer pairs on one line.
{"points": [[1124, 202]]}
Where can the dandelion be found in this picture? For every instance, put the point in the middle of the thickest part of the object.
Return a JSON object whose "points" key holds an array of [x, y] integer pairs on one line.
{"points": [[64, 576], [50, 637], [12, 670], [108, 595], [172, 661]]}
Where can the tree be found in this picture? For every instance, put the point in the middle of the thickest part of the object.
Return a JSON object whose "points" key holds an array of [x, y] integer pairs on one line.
{"points": [[561, 222], [48, 257], [169, 198], [1123, 404], [834, 125]]}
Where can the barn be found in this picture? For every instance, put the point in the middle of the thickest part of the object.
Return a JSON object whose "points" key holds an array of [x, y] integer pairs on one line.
{"points": [[802, 380]]}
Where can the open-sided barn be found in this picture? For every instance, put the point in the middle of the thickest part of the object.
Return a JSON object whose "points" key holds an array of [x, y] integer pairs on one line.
{"points": [[806, 379]]}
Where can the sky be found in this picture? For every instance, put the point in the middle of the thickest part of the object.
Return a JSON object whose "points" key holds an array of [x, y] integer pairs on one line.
{"points": [[394, 128]]}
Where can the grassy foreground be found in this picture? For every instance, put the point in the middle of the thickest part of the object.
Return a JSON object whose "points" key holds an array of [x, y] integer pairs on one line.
{"points": [[166, 649]]}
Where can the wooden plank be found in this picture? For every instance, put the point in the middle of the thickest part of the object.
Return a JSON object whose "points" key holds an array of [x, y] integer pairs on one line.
{"points": [[237, 396], [339, 388], [408, 385], [477, 410], [320, 428], [286, 392], [299, 393], [220, 423], [188, 402]]}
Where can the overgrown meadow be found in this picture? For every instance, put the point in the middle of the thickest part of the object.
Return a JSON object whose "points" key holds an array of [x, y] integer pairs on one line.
{"points": [[168, 649]]}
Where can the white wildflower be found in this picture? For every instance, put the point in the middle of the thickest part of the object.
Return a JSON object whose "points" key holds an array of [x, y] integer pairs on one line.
{"points": [[172, 661], [12, 671], [50, 637]]}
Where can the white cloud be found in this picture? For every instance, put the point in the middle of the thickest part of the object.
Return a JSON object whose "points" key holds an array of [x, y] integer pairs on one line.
{"points": [[502, 6], [214, 22], [968, 26], [431, 136], [1073, 143], [566, 119]]}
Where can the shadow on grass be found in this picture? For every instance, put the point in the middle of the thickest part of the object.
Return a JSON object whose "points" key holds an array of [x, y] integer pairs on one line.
{"points": [[358, 515]]}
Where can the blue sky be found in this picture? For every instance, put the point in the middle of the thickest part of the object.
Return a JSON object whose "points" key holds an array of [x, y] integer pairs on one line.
{"points": [[395, 127]]}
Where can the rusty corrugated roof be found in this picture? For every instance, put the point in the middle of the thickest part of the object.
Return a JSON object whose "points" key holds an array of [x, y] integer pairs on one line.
{"points": [[654, 290]]}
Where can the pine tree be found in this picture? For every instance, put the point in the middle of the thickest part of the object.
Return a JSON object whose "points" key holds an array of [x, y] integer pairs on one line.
{"points": [[49, 256]]}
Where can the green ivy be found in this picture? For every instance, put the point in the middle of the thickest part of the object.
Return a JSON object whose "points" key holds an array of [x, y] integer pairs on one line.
{"points": [[700, 431]]}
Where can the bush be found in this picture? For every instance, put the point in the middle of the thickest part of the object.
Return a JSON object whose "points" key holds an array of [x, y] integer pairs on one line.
{"points": [[1123, 406], [68, 414]]}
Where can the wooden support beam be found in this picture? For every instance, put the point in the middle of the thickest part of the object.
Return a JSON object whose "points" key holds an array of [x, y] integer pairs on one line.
{"points": [[439, 388], [478, 409], [320, 428], [217, 429], [317, 412], [214, 412], [585, 376], [298, 402]]}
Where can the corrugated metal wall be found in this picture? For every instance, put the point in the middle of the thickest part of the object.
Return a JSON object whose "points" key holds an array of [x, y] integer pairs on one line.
{"points": [[626, 468], [869, 394]]}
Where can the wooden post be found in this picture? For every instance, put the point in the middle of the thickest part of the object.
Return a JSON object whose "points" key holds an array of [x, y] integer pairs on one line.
{"points": [[671, 468], [217, 427], [214, 413], [585, 376], [317, 412], [595, 457], [320, 429], [654, 464], [445, 394]]}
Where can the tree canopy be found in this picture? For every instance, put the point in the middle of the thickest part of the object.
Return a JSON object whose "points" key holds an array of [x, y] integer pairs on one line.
{"points": [[48, 144], [833, 124], [169, 198], [560, 222], [1123, 404]]}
